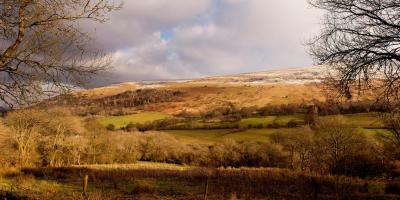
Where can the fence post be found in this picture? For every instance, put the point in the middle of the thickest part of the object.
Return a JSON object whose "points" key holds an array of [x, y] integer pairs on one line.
{"points": [[315, 186], [85, 184], [206, 188]]}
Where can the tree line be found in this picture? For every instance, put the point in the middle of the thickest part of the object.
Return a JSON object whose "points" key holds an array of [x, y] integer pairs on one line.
{"points": [[56, 138]]}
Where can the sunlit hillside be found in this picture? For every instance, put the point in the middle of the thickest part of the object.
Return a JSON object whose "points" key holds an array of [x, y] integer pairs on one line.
{"points": [[275, 87]]}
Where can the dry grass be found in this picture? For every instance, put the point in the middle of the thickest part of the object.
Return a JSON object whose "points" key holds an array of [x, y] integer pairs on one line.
{"points": [[201, 97], [138, 165], [128, 182], [109, 90]]}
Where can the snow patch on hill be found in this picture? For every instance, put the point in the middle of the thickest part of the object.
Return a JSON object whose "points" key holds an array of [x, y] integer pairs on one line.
{"points": [[304, 75]]}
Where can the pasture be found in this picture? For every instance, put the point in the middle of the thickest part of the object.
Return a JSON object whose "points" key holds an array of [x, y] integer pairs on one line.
{"points": [[210, 137], [364, 120], [140, 118], [255, 129]]}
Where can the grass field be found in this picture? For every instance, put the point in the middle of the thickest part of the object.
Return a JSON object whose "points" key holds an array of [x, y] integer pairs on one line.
{"points": [[264, 121], [369, 123], [364, 120], [285, 119], [121, 121], [374, 132], [210, 137], [213, 136]]}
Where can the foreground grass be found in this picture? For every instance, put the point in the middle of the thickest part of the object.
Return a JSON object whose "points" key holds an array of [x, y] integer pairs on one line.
{"points": [[141, 118], [136, 182], [137, 165]]}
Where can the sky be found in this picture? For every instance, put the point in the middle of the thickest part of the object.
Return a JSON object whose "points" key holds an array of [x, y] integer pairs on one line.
{"points": [[183, 39]]}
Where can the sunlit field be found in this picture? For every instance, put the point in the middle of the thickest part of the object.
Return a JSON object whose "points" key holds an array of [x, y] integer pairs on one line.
{"points": [[141, 118]]}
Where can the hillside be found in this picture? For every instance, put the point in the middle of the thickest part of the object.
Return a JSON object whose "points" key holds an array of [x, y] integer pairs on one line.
{"points": [[277, 87], [313, 74], [294, 76]]}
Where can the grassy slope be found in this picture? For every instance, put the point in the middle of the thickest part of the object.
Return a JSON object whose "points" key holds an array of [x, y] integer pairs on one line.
{"points": [[108, 91], [201, 97], [121, 121]]}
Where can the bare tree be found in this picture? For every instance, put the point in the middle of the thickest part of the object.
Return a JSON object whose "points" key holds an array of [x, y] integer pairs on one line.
{"points": [[59, 126], [298, 145], [24, 134], [360, 39], [43, 48], [339, 142], [6, 146], [392, 140]]}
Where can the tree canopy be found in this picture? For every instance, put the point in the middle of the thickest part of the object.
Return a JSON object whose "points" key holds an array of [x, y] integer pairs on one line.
{"points": [[360, 39], [44, 49]]}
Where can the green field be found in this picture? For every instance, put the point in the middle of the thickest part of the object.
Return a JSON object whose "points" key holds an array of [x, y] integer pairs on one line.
{"points": [[210, 137], [281, 120], [374, 132], [369, 123], [364, 120], [285, 119], [265, 121], [141, 118], [213, 136]]}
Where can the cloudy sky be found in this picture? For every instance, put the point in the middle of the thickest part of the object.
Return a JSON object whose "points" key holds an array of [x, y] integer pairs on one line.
{"points": [[179, 39]]}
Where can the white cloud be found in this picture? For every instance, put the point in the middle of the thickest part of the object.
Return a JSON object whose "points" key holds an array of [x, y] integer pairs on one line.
{"points": [[207, 37], [150, 61], [138, 20], [250, 35]]}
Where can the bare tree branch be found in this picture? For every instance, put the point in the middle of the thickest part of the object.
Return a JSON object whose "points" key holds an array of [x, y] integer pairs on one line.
{"points": [[43, 49], [360, 40]]}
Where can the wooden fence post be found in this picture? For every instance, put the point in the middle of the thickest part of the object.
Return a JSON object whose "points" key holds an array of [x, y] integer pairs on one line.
{"points": [[206, 188], [85, 184], [315, 186]]}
